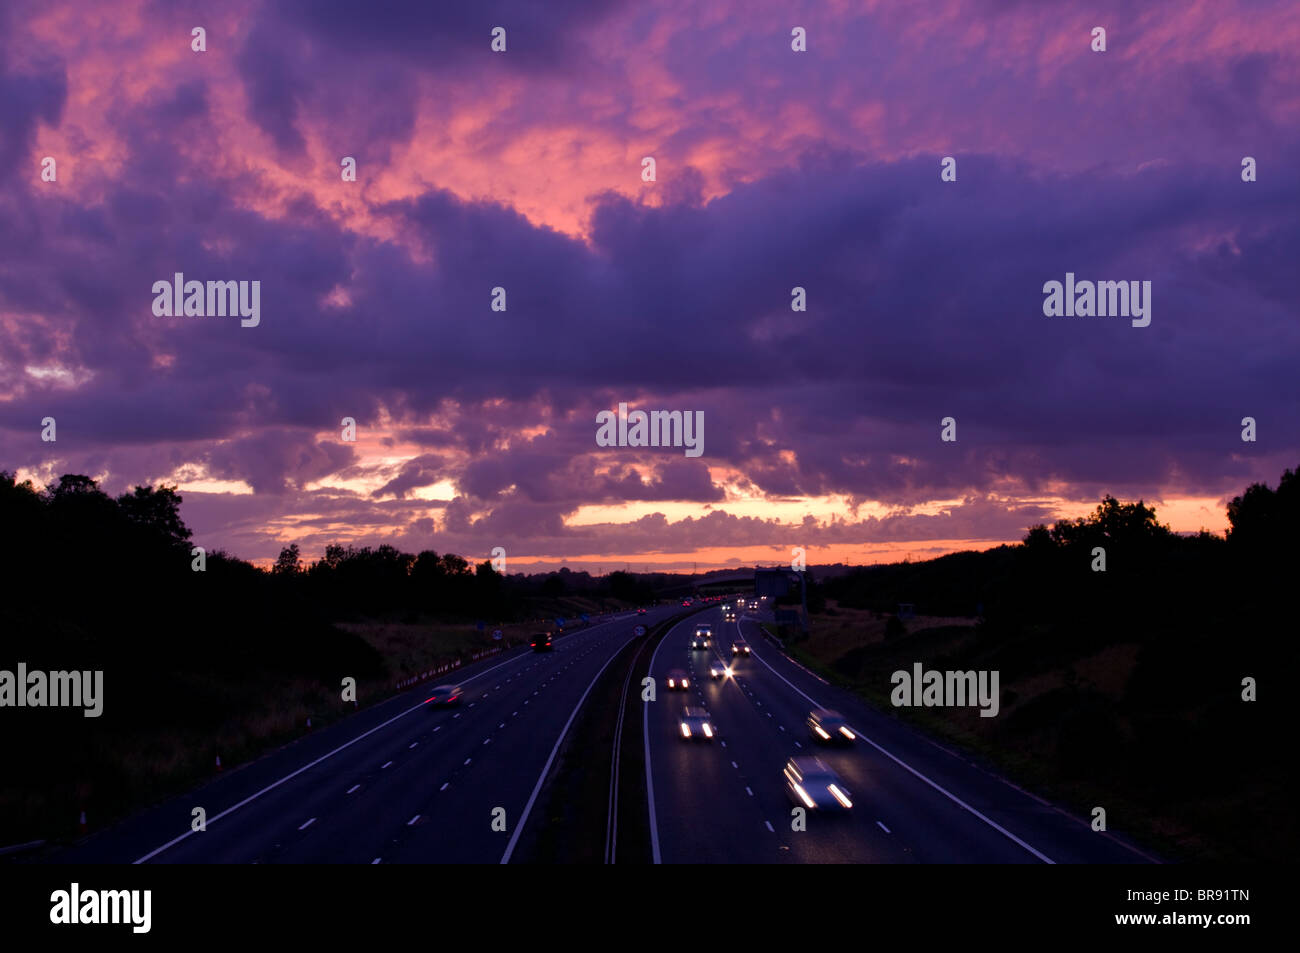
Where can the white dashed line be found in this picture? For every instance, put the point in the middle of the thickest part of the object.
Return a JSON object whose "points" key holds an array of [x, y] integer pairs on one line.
{"points": [[486, 740], [412, 745], [502, 725], [376, 860], [353, 788], [439, 728], [412, 820], [749, 791], [385, 765], [444, 785], [770, 827], [309, 823], [736, 766], [883, 827], [467, 761], [797, 745]]}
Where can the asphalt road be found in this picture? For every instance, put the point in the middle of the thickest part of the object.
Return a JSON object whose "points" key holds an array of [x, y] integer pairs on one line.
{"points": [[403, 782], [914, 801], [399, 782]]}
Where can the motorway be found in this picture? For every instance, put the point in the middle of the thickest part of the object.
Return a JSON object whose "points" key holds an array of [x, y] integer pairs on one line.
{"points": [[914, 801], [400, 782]]}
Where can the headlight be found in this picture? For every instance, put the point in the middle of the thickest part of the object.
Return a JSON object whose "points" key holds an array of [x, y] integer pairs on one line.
{"points": [[818, 729], [840, 796], [686, 730], [846, 733], [670, 683], [685, 683], [803, 796], [708, 730]]}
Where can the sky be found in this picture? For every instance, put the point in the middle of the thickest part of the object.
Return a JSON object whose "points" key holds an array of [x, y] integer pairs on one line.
{"points": [[774, 169]]}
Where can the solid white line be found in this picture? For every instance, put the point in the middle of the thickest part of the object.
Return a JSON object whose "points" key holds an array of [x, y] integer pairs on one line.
{"points": [[353, 788], [903, 764], [514, 838]]}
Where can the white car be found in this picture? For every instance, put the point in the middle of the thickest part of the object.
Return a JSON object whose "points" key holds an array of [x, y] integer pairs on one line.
{"points": [[695, 724], [812, 784]]}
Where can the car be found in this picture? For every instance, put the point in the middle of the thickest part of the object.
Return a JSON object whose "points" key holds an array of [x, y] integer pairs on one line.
{"points": [[686, 602], [740, 647], [444, 695], [810, 783], [702, 638], [541, 642], [677, 680], [719, 669], [640, 612], [829, 727], [695, 724]]}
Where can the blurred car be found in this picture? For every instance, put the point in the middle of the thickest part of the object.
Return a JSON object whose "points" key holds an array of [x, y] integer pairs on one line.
{"points": [[811, 783], [702, 638], [719, 669], [677, 680], [829, 727], [541, 642], [695, 724], [640, 612], [740, 647], [444, 695], [686, 602]]}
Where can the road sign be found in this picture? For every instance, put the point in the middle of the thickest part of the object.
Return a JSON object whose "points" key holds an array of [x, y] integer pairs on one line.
{"points": [[639, 630], [496, 634]]}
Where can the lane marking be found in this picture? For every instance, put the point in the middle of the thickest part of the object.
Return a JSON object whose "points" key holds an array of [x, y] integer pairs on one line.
{"points": [[412, 745], [386, 764], [770, 827], [523, 820], [749, 791], [444, 785], [353, 788], [309, 823], [883, 827], [412, 820]]}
